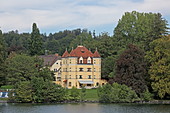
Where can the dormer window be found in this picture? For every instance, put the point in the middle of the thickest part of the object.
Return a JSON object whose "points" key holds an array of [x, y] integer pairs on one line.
{"points": [[81, 60], [89, 60]]}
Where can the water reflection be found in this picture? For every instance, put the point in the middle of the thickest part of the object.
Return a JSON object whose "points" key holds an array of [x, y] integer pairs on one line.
{"points": [[83, 108]]}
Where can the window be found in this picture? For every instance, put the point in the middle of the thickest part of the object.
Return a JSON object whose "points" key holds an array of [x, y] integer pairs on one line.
{"points": [[55, 70], [70, 69], [97, 84], [80, 77], [69, 84], [89, 76], [70, 61], [80, 69], [76, 76], [89, 60], [94, 69], [89, 69], [57, 63], [70, 76], [94, 61], [81, 60]]}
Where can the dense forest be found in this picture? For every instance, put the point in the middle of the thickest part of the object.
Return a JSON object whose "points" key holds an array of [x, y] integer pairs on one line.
{"points": [[137, 55]]}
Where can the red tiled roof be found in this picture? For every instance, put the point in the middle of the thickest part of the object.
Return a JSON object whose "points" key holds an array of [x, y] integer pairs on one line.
{"points": [[81, 51], [66, 54], [96, 54]]}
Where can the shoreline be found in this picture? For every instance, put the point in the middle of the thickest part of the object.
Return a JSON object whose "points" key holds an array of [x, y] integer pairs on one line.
{"points": [[86, 101]]}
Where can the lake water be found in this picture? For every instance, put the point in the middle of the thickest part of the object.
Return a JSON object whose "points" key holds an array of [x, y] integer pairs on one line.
{"points": [[83, 108]]}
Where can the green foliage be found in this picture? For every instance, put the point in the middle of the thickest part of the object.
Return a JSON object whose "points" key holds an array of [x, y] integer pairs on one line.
{"points": [[139, 29], [23, 92], [130, 69], [146, 96], [105, 93], [21, 68], [74, 94], [35, 44], [116, 93], [2, 60], [108, 67], [83, 94], [46, 91], [159, 59]]}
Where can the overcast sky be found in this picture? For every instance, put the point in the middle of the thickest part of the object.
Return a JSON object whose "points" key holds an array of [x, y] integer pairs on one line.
{"points": [[57, 15]]}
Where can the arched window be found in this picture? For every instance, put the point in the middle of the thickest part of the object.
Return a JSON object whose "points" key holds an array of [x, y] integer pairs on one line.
{"points": [[70, 84], [81, 60], [89, 60]]}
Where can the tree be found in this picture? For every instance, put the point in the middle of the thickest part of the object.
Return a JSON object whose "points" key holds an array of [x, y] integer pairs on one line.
{"points": [[23, 92], [139, 29], [130, 69], [35, 44], [116, 93], [108, 67], [74, 94], [159, 71], [2, 60], [23, 68]]}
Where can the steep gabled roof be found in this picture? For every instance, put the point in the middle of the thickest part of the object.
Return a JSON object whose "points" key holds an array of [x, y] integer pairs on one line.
{"points": [[81, 51], [66, 54], [49, 60], [96, 54]]}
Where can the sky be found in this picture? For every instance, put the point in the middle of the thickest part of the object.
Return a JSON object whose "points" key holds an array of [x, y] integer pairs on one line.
{"points": [[57, 15]]}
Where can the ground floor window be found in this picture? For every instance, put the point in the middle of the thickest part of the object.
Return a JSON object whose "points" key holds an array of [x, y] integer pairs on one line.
{"points": [[88, 84], [69, 83], [97, 84]]}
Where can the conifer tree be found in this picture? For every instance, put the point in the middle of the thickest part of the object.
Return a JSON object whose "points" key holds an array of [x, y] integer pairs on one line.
{"points": [[2, 59], [35, 44]]}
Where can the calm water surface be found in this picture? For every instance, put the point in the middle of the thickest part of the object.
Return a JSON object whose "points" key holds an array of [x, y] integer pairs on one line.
{"points": [[83, 108]]}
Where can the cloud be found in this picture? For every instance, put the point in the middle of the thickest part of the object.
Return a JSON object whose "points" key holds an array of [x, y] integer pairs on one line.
{"points": [[62, 14]]}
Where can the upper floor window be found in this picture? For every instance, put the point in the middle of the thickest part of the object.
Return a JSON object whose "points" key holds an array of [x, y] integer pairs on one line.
{"points": [[89, 60], [89, 76], [94, 61], [89, 69], [80, 69], [81, 60], [55, 70], [80, 77]]}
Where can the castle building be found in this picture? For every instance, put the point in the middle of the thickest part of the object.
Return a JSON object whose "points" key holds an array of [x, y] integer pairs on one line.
{"points": [[81, 68]]}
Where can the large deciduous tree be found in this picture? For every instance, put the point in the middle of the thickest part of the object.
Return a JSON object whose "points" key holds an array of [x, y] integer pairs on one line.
{"points": [[35, 44], [140, 29], [23, 68], [159, 71], [130, 69]]}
